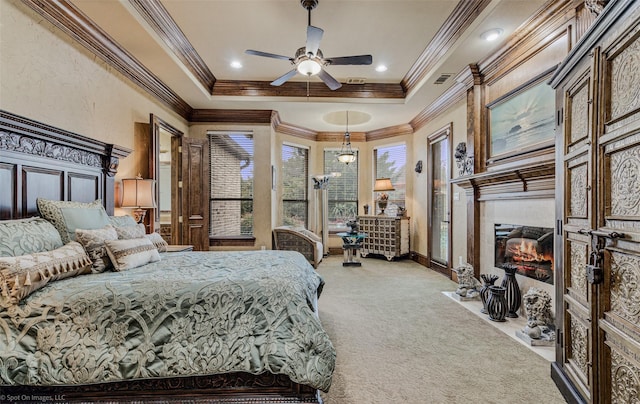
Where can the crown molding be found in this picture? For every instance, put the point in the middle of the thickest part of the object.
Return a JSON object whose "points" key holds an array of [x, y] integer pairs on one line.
{"points": [[245, 116], [64, 15], [299, 89], [291, 130], [339, 137], [453, 28], [166, 28], [533, 36], [391, 131]]}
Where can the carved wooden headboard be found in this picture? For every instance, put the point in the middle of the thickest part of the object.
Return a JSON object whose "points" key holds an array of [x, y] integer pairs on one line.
{"points": [[41, 161]]}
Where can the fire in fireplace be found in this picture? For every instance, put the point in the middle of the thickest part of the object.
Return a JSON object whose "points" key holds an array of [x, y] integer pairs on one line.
{"points": [[529, 248]]}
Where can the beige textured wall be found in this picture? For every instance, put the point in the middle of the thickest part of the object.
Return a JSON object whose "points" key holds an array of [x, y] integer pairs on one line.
{"points": [[46, 76]]}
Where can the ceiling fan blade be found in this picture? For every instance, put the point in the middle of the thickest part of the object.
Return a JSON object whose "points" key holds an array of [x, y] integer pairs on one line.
{"points": [[268, 55], [350, 60], [283, 79], [328, 79], [314, 35]]}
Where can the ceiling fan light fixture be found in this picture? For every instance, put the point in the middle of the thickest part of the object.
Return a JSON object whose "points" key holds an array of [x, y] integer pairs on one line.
{"points": [[309, 67]]}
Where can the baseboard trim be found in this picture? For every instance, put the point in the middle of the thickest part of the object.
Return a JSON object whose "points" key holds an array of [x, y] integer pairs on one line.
{"points": [[420, 259], [567, 389]]}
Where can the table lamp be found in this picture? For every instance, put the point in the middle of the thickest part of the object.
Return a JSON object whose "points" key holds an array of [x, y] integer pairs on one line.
{"points": [[138, 193]]}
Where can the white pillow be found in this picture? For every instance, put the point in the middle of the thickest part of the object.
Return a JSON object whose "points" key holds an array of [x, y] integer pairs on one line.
{"points": [[132, 253], [158, 241]]}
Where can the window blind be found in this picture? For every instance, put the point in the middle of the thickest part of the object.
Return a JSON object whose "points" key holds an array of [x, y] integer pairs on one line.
{"points": [[295, 185]]}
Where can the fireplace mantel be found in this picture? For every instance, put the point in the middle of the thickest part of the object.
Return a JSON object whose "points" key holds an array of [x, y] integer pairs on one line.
{"points": [[530, 181]]}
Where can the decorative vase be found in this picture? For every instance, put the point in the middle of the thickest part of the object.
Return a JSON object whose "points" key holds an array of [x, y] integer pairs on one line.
{"points": [[513, 294], [488, 280], [496, 303], [382, 205]]}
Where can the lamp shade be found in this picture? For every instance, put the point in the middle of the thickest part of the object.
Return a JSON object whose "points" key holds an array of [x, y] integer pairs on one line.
{"points": [[383, 184], [138, 193]]}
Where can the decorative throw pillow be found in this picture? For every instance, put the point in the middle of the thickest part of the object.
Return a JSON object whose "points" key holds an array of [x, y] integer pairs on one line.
{"points": [[122, 221], [23, 275], [27, 236], [127, 254], [67, 216], [158, 241], [93, 243], [129, 232]]}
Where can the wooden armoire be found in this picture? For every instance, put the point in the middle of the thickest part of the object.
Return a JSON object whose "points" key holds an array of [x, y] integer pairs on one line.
{"points": [[598, 211]]}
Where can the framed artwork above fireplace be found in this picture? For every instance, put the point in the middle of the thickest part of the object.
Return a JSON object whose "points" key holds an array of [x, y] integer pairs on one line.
{"points": [[529, 248], [522, 121]]}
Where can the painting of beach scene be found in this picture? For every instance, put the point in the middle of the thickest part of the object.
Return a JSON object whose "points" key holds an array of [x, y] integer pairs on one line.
{"points": [[522, 121]]}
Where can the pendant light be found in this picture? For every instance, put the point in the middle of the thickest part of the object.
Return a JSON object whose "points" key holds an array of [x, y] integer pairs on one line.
{"points": [[346, 154]]}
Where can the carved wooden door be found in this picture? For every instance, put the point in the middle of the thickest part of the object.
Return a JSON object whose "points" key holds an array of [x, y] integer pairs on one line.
{"points": [[600, 350], [195, 193], [618, 183], [578, 335]]}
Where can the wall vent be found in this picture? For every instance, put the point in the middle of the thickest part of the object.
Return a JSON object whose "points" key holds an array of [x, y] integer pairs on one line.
{"points": [[356, 80], [443, 77]]}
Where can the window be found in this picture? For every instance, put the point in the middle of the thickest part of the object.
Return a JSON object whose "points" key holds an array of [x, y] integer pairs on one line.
{"points": [[295, 185], [391, 162], [342, 193], [231, 184]]}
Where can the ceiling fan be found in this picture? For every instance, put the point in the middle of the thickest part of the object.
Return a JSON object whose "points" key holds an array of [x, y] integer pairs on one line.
{"points": [[309, 59]]}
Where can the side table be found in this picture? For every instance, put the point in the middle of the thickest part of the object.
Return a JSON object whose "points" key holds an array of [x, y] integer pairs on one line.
{"points": [[179, 248], [351, 243]]}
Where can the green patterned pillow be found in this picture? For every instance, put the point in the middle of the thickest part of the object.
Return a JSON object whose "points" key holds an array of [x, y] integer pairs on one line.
{"points": [[158, 241], [27, 236], [67, 216], [122, 221], [129, 232]]}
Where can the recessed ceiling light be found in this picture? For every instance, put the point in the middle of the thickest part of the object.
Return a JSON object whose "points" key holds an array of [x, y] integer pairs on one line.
{"points": [[236, 65], [492, 34], [381, 68]]}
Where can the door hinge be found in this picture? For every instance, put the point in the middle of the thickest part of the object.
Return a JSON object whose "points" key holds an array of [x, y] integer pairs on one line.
{"points": [[179, 149], [179, 184], [559, 227], [559, 338], [179, 219], [560, 116]]}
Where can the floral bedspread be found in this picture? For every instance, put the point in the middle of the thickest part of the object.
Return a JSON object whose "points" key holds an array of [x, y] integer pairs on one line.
{"points": [[192, 313]]}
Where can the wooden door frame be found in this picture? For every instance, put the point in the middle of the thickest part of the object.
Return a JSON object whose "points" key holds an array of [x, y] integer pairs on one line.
{"points": [[156, 125], [443, 133]]}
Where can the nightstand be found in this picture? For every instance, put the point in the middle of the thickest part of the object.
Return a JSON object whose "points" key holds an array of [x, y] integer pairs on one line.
{"points": [[179, 248]]}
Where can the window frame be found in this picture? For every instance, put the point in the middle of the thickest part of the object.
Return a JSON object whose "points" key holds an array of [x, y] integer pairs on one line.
{"points": [[333, 228], [306, 182], [236, 239], [392, 194]]}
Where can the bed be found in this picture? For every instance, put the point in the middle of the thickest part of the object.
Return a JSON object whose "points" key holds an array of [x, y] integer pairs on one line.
{"points": [[210, 326]]}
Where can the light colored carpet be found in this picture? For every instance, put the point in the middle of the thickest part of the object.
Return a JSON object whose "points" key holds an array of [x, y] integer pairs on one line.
{"points": [[400, 340]]}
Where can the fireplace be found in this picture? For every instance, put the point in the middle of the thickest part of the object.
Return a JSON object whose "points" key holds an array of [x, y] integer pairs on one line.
{"points": [[529, 248]]}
